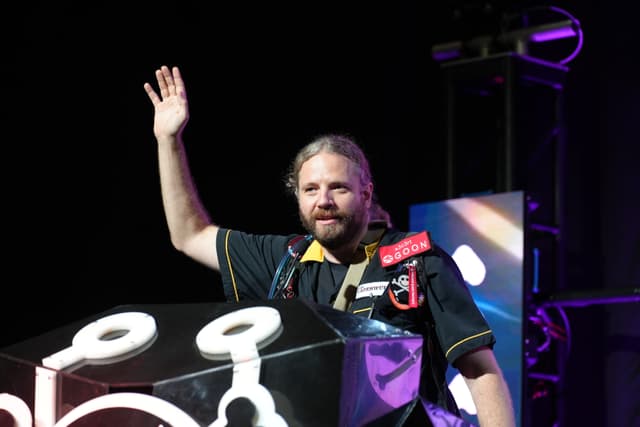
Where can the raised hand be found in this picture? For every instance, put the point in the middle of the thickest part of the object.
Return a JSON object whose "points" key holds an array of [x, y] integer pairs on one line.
{"points": [[171, 106]]}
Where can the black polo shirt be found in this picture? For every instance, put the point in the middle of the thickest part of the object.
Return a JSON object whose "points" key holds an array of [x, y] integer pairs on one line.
{"points": [[248, 263]]}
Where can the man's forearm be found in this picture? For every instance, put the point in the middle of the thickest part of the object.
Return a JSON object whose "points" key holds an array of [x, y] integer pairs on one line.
{"points": [[183, 209], [493, 401]]}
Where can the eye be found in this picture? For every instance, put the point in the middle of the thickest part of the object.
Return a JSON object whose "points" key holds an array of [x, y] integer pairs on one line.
{"points": [[340, 188], [309, 190]]}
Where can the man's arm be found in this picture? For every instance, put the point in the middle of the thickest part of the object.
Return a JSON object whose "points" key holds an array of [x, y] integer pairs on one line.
{"points": [[190, 227], [488, 388]]}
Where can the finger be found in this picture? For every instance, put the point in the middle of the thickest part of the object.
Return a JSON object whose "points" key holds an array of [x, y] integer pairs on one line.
{"points": [[162, 83], [168, 78], [179, 83], [153, 96]]}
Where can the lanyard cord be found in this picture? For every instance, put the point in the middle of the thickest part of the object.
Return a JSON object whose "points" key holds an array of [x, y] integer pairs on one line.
{"points": [[294, 250]]}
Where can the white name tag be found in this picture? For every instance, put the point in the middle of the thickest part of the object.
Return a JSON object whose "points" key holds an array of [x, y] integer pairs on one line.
{"points": [[372, 289]]}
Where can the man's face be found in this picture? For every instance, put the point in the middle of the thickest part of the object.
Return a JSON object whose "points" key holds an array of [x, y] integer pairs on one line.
{"points": [[331, 200]]}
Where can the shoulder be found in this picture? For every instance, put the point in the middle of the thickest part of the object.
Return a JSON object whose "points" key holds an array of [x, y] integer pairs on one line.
{"points": [[227, 234], [234, 240]]}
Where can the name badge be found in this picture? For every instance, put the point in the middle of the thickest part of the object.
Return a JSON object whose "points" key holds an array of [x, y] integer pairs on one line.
{"points": [[371, 289]]}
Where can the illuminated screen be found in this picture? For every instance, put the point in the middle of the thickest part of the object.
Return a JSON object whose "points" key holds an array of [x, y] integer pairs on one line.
{"points": [[484, 234]]}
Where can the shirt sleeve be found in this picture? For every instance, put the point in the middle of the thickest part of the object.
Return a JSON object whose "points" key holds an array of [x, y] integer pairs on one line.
{"points": [[248, 262], [460, 325]]}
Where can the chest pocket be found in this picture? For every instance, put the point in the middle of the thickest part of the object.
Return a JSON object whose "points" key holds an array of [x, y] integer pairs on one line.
{"points": [[367, 296], [390, 301]]}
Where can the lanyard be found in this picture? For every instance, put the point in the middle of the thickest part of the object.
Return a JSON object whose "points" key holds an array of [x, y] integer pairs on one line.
{"points": [[349, 285]]}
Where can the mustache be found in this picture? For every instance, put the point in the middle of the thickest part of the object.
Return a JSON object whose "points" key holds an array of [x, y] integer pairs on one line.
{"points": [[327, 214]]}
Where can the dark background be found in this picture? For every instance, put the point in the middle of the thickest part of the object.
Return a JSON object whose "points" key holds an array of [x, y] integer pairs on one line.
{"points": [[84, 226]]}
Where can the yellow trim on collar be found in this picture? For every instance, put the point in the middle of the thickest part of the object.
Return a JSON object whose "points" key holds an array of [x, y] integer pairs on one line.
{"points": [[315, 252], [370, 249]]}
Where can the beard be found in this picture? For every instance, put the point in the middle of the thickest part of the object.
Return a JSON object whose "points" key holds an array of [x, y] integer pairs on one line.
{"points": [[342, 232]]}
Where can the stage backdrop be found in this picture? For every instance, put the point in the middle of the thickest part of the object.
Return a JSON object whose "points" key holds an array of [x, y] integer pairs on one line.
{"points": [[484, 234]]}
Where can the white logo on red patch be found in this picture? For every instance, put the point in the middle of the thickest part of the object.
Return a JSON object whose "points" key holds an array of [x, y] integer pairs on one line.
{"points": [[405, 248]]}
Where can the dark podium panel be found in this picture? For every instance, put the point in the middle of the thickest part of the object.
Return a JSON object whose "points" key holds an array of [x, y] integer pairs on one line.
{"points": [[281, 362]]}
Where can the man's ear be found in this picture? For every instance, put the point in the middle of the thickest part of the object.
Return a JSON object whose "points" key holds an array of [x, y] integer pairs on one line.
{"points": [[368, 194]]}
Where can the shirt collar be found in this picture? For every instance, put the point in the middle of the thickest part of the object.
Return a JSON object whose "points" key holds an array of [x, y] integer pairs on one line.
{"points": [[315, 252]]}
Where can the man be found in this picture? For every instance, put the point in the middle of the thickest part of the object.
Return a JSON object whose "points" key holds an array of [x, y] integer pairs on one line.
{"points": [[423, 290]]}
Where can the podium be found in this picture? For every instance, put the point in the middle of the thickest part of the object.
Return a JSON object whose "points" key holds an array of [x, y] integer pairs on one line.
{"points": [[289, 362]]}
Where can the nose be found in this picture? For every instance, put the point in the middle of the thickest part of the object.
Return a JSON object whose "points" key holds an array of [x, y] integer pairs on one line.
{"points": [[325, 200]]}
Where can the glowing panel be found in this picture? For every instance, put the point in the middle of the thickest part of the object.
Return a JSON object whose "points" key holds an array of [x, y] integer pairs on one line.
{"points": [[484, 235]]}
